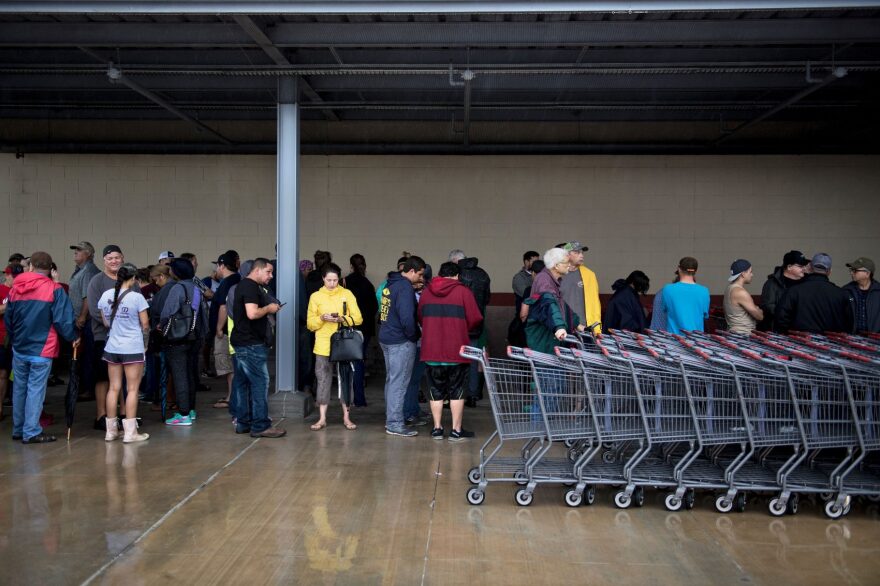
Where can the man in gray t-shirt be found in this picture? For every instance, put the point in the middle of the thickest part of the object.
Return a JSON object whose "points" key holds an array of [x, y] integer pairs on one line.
{"points": [[83, 256], [101, 282]]}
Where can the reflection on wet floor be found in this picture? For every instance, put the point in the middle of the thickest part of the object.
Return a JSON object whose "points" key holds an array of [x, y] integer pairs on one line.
{"points": [[202, 505]]}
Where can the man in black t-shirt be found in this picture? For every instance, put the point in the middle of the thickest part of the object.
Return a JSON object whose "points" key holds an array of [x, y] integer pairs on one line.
{"points": [[251, 338]]}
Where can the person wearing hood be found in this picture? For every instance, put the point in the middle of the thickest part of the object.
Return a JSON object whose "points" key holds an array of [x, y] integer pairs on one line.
{"points": [[398, 334], [330, 306], [180, 355], [785, 276], [865, 292], [816, 305], [38, 312], [447, 312], [477, 280], [625, 311]]}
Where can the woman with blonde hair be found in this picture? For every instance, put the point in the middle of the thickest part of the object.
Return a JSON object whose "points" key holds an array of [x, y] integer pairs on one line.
{"points": [[330, 306]]}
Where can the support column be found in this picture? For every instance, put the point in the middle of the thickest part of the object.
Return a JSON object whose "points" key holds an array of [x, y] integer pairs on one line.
{"points": [[288, 291]]}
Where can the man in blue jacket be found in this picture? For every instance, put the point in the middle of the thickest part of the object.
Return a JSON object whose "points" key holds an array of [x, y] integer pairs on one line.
{"points": [[398, 334], [37, 313]]}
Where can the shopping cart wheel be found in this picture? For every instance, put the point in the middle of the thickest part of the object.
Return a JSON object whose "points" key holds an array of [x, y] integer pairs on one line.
{"points": [[690, 498], [777, 509], [739, 502], [826, 496], [833, 511], [673, 503], [874, 498], [590, 495], [523, 497], [522, 479], [608, 457], [793, 502], [475, 496], [639, 496], [474, 475], [723, 504], [573, 498], [622, 500], [568, 443], [572, 454]]}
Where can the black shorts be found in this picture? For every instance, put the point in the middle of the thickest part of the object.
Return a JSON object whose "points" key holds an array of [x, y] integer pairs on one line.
{"points": [[99, 367], [116, 358], [5, 358], [448, 381]]}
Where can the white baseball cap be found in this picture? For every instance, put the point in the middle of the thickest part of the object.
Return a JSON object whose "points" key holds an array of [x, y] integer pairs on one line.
{"points": [[166, 254]]}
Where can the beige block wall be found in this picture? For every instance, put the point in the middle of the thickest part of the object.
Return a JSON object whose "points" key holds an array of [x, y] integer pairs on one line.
{"points": [[640, 212]]}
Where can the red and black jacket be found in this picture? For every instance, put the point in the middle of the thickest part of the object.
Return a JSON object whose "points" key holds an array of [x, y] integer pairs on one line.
{"points": [[447, 312]]}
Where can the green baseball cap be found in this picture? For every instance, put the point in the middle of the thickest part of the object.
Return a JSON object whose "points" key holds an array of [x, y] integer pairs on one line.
{"points": [[862, 263]]}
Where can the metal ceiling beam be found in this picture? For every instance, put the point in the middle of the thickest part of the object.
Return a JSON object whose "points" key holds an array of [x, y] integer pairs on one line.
{"points": [[406, 6], [838, 73], [449, 34], [256, 33], [116, 76]]}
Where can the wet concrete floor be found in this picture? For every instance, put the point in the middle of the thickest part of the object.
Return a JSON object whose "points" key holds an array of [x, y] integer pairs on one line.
{"points": [[202, 505]]}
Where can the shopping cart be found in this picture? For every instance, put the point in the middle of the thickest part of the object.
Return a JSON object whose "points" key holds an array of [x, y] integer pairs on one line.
{"points": [[511, 396]]}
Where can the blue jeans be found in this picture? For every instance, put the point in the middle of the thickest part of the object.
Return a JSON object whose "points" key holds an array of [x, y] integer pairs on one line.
{"points": [[399, 359], [252, 389], [28, 392], [411, 400], [360, 399]]}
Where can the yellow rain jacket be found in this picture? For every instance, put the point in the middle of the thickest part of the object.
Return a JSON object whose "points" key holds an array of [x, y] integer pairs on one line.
{"points": [[592, 306], [326, 300]]}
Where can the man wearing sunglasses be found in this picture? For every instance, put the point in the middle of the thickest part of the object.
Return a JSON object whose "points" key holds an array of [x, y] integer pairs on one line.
{"points": [[865, 292]]}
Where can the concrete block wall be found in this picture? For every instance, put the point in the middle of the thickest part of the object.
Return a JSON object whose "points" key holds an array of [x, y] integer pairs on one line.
{"points": [[634, 212]]}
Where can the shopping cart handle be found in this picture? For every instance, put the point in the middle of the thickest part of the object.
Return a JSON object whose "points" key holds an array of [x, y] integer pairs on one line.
{"points": [[472, 353], [566, 353], [516, 352], [572, 339]]}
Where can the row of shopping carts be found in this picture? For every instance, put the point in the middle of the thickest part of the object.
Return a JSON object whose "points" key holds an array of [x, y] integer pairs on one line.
{"points": [[786, 415]]}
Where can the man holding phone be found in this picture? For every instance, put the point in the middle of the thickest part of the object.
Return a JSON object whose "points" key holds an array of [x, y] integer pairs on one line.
{"points": [[252, 307]]}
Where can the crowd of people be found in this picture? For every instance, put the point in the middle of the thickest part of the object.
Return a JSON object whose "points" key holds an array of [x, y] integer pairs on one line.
{"points": [[150, 334]]}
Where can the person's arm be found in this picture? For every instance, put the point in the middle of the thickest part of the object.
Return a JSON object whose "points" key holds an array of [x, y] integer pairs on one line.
{"points": [[472, 314], [145, 320], [354, 312], [768, 300], [785, 310], [62, 316], [742, 297], [313, 315], [222, 314], [83, 314], [406, 313], [254, 311], [93, 296]]}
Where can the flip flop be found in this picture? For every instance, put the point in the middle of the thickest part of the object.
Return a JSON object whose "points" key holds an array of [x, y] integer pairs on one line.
{"points": [[221, 404], [318, 426], [349, 425]]}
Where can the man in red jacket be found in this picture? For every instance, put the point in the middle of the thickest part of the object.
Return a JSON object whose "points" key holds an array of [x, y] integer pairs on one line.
{"points": [[38, 314], [447, 312]]}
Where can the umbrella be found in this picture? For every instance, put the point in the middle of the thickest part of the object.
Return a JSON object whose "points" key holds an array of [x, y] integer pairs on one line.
{"points": [[345, 378], [72, 391]]}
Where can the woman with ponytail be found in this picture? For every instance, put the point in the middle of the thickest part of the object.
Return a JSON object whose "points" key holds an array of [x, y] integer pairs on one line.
{"points": [[125, 314], [365, 294]]}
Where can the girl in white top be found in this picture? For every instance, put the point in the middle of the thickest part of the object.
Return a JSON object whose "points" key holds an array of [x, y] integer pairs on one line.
{"points": [[125, 314]]}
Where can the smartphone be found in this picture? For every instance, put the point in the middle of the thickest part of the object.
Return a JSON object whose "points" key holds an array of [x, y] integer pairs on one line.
{"points": [[282, 304], [334, 315]]}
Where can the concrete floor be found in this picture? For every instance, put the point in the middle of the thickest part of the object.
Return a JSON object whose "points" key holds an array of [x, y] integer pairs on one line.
{"points": [[204, 506]]}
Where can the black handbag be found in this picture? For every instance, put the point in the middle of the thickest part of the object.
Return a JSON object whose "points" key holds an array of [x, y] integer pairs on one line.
{"points": [[181, 326], [346, 343]]}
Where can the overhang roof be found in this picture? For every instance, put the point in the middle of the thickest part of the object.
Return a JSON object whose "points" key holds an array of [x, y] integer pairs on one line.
{"points": [[202, 76]]}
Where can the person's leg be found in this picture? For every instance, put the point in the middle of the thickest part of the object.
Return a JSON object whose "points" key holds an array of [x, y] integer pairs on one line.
{"points": [[457, 408], [4, 384], [85, 356], [258, 373], [411, 399], [133, 374], [436, 383], [36, 392], [233, 391], [360, 398], [400, 359], [192, 359], [177, 365], [102, 382], [239, 404], [458, 379], [324, 373], [114, 373], [21, 371]]}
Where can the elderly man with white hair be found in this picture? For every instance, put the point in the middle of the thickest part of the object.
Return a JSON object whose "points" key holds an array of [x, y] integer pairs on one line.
{"points": [[549, 317]]}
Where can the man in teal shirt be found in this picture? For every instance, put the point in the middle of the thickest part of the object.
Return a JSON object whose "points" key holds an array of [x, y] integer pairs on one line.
{"points": [[686, 303]]}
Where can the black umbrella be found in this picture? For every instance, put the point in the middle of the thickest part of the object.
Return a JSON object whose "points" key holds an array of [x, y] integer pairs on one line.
{"points": [[345, 378], [72, 392]]}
